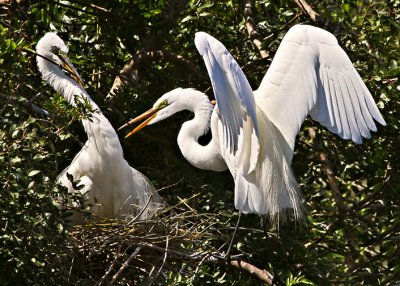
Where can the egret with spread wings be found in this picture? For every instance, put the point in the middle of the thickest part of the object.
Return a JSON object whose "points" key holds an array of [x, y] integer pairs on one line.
{"points": [[253, 132], [109, 184]]}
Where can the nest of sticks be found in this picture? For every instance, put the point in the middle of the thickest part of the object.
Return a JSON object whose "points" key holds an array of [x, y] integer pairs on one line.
{"points": [[178, 241]]}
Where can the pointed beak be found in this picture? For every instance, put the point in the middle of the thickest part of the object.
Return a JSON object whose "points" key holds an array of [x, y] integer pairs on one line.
{"points": [[149, 114], [69, 67]]}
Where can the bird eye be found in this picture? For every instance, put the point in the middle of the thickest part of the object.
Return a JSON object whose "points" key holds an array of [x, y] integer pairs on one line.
{"points": [[56, 50], [163, 104]]}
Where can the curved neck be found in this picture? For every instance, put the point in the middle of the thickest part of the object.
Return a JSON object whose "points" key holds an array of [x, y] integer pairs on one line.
{"points": [[204, 157], [63, 84], [98, 129]]}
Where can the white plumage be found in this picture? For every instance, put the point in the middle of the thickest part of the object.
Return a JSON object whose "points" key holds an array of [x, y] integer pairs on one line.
{"points": [[254, 132], [111, 186]]}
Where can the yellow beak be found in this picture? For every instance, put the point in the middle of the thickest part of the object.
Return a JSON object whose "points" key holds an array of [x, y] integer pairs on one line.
{"points": [[151, 114], [68, 66]]}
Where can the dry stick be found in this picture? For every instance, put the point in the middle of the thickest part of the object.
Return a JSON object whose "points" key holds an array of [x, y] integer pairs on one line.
{"points": [[261, 274], [314, 16], [110, 268], [126, 263], [98, 8], [142, 211], [163, 262], [8, 2], [128, 72], [228, 252], [253, 34]]}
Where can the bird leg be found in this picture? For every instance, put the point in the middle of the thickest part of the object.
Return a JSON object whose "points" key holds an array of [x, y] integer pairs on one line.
{"points": [[228, 252]]}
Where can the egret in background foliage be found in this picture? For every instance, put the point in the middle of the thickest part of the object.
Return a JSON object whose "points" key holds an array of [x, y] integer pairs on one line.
{"points": [[108, 183], [254, 132]]}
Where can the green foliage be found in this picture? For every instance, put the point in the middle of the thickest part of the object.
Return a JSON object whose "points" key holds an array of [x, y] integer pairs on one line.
{"points": [[352, 241]]}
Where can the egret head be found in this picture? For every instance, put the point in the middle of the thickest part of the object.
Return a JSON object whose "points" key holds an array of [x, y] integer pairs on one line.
{"points": [[170, 103], [50, 46], [52, 54]]}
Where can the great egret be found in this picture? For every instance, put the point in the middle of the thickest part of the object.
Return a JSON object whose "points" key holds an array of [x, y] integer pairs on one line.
{"points": [[253, 132], [111, 186]]}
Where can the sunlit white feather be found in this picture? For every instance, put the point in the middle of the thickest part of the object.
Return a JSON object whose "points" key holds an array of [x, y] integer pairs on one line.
{"points": [[111, 186], [254, 132]]}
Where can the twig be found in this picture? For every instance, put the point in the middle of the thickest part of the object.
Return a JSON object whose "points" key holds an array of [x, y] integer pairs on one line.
{"points": [[263, 275], [366, 13], [228, 253], [118, 255], [314, 16], [183, 201], [26, 104], [8, 2], [170, 186], [253, 34], [142, 211], [98, 8], [333, 184], [163, 262], [126, 263]]}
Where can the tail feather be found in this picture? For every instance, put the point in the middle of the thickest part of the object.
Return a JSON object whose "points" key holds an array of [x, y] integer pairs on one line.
{"points": [[271, 187], [147, 201]]}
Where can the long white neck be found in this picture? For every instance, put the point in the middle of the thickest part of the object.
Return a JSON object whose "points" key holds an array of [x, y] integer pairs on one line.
{"points": [[204, 157], [98, 129], [62, 84]]}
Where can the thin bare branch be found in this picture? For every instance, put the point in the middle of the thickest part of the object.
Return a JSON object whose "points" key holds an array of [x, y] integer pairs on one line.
{"points": [[314, 16], [110, 268], [163, 262], [251, 31], [263, 275], [8, 2], [126, 263], [130, 72], [98, 8], [28, 105]]}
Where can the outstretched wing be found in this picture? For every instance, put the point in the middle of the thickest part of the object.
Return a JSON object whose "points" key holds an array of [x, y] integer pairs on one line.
{"points": [[312, 74], [235, 100]]}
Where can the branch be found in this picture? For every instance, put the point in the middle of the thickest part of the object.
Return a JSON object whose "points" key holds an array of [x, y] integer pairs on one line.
{"points": [[252, 32], [28, 105], [8, 2], [118, 255], [163, 262], [126, 263], [130, 72], [215, 257], [333, 184], [314, 16], [263, 275]]}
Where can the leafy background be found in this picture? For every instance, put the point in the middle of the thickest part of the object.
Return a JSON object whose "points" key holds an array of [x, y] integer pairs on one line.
{"points": [[349, 236]]}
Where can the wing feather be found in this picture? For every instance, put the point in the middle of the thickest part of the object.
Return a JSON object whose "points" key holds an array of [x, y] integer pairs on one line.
{"points": [[339, 120], [236, 105], [363, 105], [311, 74], [329, 119], [354, 133], [232, 91], [362, 126]]}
